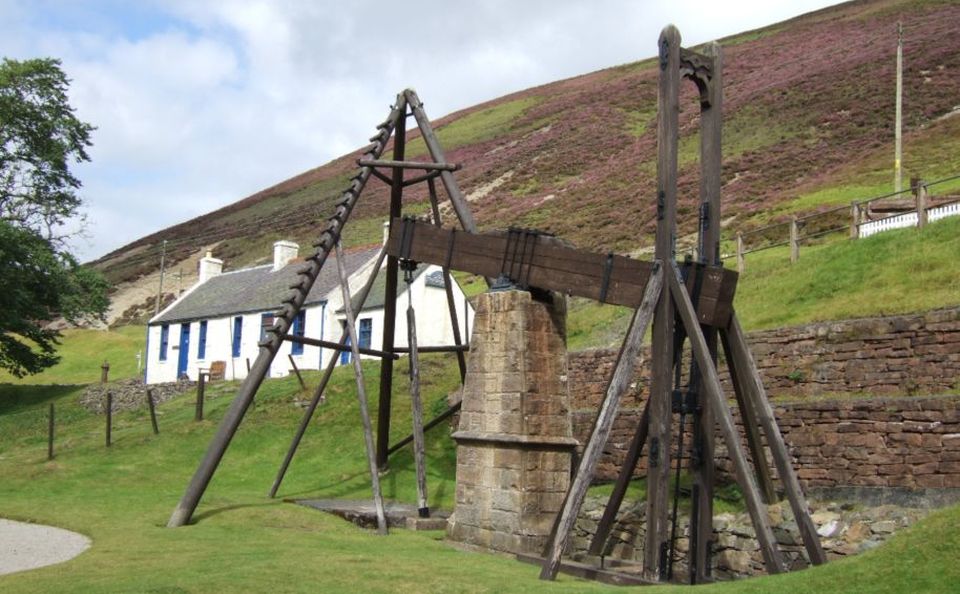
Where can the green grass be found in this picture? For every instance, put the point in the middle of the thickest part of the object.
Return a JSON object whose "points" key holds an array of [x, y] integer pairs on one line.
{"points": [[121, 497], [894, 272], [478, 126], [82, 353]]}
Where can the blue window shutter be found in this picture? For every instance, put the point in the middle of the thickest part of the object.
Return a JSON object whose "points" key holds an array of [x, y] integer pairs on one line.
{"points": [[299, 323], [164, 339], [366, 332], [202, 341], [237, 330]]}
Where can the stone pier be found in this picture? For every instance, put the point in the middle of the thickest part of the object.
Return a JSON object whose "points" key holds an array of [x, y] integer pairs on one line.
{"points": [[514, 439]]}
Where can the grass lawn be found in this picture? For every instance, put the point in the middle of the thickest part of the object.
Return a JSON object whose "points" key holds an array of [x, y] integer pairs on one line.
{"points": [[242, 541]]}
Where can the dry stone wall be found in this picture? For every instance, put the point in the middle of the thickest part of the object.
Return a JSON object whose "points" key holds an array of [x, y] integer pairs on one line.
{"points": [[911, 442]]}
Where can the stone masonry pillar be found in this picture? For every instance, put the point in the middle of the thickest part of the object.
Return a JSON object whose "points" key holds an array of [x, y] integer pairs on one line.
{"points": [[514, 441]]}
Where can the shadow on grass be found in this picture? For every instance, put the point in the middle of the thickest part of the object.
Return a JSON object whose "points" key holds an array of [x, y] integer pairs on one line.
{"points": [[15, 397]]}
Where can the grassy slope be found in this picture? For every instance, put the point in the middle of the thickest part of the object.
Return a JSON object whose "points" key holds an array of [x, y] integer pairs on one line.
{"points": [[122, 496], [82, 352]]}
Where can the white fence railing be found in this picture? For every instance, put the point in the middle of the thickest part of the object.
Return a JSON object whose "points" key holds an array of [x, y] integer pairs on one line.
{"points": [[908, 219]]}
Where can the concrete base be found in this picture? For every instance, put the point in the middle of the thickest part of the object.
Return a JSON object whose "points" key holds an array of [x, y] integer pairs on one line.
{"points": [[364, 514]]}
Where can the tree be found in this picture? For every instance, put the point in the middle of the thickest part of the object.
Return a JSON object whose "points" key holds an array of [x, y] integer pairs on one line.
{"points": [[39, 279]]}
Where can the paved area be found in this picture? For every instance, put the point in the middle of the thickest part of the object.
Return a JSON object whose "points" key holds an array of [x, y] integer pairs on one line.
{"points": [[29, 546], [363, 513]]}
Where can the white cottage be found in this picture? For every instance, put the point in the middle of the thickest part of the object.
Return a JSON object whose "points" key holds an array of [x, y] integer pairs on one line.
{"points": [[224, 316]]}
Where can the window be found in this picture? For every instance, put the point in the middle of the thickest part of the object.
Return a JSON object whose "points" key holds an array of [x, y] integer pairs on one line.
{"points": [[345, 354], [266, 320], [299, 322], [202, 341], [164, 339], [366, 332], [237, 331]]}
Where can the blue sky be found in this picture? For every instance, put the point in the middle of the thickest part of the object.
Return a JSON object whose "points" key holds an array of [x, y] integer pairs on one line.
{"points": [[201, 103]]}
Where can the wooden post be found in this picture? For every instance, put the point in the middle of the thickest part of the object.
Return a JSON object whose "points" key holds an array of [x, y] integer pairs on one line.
{"points": [[153, 412], [419, 451], [201, 388], [740, 359], [740, 262], [109, 417], [50, 433], [362, 390], [921, 196], [296, 370], [104, 372], [794, 240], [661, 375], [318, 393], [854, 220], [772, 559], [618, 384], [390, 299]]}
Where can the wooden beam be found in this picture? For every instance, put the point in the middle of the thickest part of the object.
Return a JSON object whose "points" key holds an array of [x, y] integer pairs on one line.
{"points": [[556, 266], [618, 384], [435, 349], [662, 355], [425, 165], [340, 346], [772, 559], [739, 357], [361, 393], [448, 286]]}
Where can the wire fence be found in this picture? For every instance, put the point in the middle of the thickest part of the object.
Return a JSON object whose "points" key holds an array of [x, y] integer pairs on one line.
{"points": [[912, 207]]}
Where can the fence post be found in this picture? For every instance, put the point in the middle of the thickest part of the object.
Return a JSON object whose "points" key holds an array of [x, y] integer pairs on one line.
{"points": [[794, 240], [153, 411], [109, 416], [201, 386], [920, 192], [740, 262], [50, 434], [854, 219], [104, 372], [303, 385]]}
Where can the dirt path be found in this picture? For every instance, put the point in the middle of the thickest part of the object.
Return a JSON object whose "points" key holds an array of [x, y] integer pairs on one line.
{"points": [[29, 546]]}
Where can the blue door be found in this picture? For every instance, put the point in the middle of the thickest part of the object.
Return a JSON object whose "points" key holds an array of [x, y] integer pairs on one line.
{"points": [[184, 350]]}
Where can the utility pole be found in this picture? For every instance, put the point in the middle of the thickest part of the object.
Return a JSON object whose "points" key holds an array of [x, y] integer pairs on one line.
{"points": [[897, 173], [163, 256]]}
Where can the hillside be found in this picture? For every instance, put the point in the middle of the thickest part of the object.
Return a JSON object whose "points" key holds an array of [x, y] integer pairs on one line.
{"points": [[808, 123]]}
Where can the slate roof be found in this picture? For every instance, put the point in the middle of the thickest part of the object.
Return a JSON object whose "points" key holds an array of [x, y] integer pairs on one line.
{"points": [[375, 299], [258, 289]]}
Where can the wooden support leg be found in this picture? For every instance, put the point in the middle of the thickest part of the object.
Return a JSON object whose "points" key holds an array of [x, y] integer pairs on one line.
{"points": [[362, 392], [419, 454], [448, 287], [622, 375], [773, 560], [598, 544], [739, 358], [751, 428]]}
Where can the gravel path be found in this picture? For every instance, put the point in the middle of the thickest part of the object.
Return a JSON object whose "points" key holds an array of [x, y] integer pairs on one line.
{"points": [[29, 546]]}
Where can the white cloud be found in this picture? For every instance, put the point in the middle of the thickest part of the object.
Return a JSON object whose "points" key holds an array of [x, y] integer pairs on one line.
{"points": [[199, 104]]}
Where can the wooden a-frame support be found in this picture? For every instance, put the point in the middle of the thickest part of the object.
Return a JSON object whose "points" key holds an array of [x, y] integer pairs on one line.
{"points": [[665, 302], [394, 126]]}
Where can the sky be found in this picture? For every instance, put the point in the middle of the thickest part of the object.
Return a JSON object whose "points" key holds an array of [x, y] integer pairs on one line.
{"points": [[201, 103]]}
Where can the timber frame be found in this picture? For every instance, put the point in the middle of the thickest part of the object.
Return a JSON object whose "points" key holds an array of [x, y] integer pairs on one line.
{"points": [[689, 302]]}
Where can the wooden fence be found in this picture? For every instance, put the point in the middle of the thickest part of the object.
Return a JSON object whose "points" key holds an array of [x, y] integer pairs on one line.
{"points": [[861, 218]]}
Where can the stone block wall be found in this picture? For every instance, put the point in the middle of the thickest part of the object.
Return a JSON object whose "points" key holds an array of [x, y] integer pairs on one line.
{"points": [[514, 437]]}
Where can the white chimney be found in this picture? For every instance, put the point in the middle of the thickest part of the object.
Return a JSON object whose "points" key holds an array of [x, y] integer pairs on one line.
{"points": [[283, 253], [209, 267]]}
